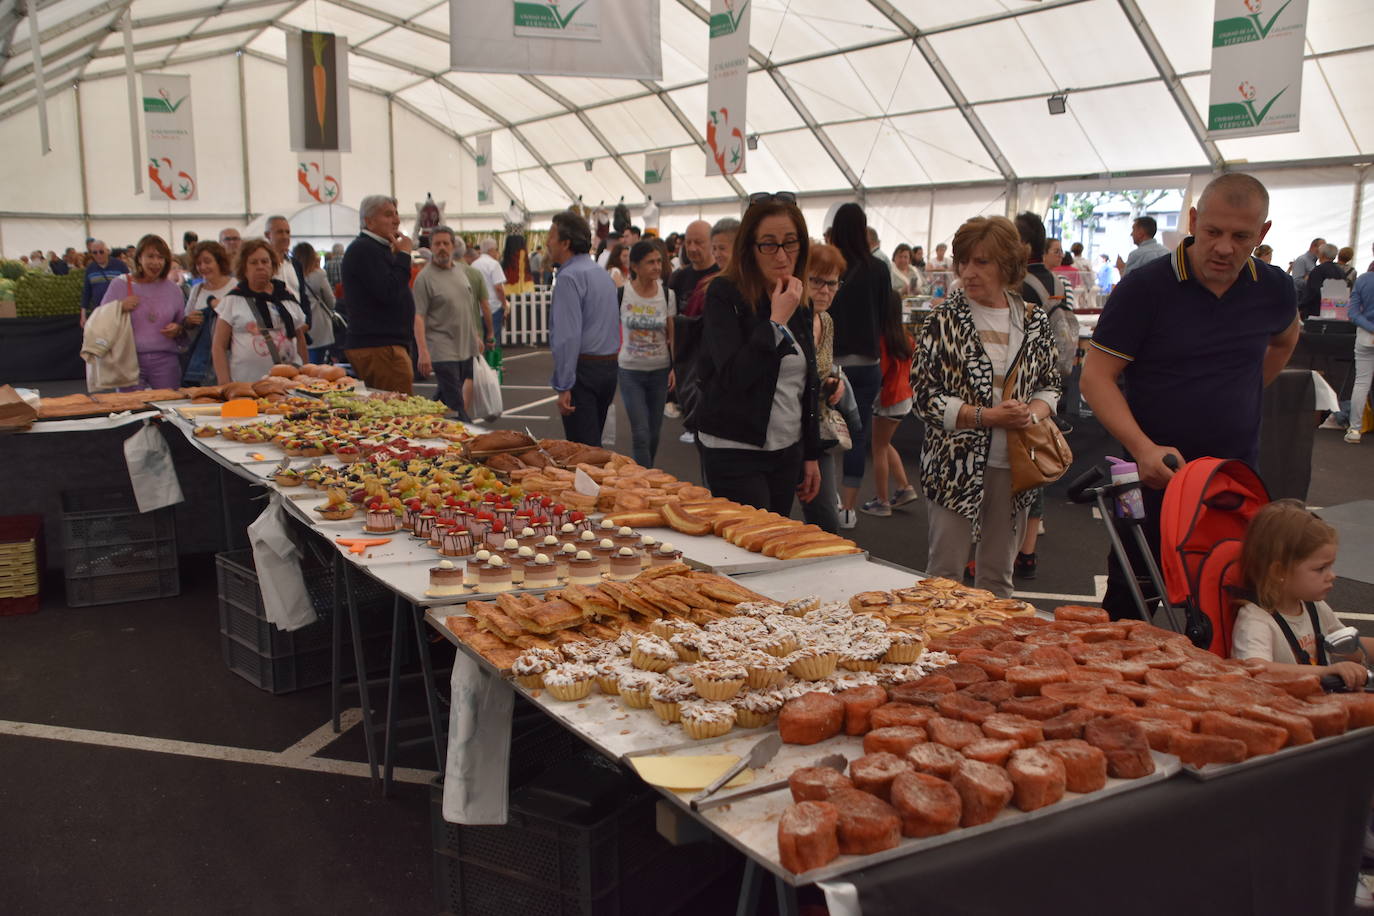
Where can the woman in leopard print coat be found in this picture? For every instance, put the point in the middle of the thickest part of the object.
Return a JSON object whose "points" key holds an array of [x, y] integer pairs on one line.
{"points": [[966, 349]]}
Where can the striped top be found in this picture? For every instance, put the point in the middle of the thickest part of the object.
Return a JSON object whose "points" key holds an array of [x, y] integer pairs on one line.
{"points": [[1000, 335]]}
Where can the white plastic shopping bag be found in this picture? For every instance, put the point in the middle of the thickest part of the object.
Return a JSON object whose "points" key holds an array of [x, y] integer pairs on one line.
{"points": [[478, 765], [150, 469], [284, 598], [486, 391]]}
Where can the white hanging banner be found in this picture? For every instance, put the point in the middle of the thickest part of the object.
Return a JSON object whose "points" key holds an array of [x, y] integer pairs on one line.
{"points": [[606, 38], [319, 178], [169, 136], [727, 86], [317, 91], [658, 176], [1257, 49], [484, 182]]}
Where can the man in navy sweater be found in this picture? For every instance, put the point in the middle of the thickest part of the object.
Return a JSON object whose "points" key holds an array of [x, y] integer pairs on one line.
{"points": [[381, 312], [99, 273]]}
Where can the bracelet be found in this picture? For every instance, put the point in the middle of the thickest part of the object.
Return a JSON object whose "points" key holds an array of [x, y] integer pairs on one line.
{"points": [[978, 418]]}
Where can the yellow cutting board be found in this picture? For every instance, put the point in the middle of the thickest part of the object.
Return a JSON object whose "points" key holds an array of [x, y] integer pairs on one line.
{"points": [[688, 774]]}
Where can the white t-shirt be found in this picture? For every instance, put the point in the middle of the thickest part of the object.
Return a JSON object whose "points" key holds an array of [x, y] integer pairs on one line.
{"points": [[249, 356], [1001, 339], [644, 328], [494, 276], [286, 273], [1257, 634]]}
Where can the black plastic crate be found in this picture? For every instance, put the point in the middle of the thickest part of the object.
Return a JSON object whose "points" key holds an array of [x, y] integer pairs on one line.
{"points": [[113, 553], [539, 864], [241, 612], [537, 742], [288, 673]]}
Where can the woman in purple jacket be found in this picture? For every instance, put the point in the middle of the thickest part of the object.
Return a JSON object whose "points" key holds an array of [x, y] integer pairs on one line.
{"points": [[157, 310]]}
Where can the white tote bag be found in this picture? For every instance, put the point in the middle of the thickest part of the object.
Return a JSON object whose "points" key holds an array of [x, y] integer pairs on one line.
{"points": [[285, 601], [151, 471], [486, 391]]}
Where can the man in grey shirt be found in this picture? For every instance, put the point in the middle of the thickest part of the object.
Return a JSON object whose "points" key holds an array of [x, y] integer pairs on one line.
{"points": [[1305, 263], [452, 319], [1147, 247]]}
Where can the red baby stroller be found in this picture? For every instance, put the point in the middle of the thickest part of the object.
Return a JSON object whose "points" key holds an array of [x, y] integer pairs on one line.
{"points": [[1207, 507]]}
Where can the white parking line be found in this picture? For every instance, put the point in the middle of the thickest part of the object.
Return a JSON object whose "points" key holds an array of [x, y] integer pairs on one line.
{"points": [[514, 411], [1099, 587], [506, 359], [292, 758]]}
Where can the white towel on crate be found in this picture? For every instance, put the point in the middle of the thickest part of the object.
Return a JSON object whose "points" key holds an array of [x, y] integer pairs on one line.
{"points": [[278, 561], [478, 767]]}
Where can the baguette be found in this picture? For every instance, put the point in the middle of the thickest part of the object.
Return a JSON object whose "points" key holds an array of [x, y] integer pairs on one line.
{"points": [[838, 547], [758, 540], [741, 535], [500, 439], [726, 523], [776, 546], [637, 518]]}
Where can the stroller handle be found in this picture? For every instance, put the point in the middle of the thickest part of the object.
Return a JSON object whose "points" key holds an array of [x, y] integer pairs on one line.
{"points": [[1081, 490]]}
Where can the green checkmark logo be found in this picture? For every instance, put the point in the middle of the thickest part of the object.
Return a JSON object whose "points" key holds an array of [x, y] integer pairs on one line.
{"points": [[1244, 29], [162, 106], [727, 23], [530, 15]]}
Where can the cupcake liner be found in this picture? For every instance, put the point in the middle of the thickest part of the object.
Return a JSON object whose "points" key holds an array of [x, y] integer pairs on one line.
{"points": [[859, 664], [668, 712], [686, 654], [813, 669], [700, 731], [566, 692], [904, 655], [531, 681], [608, 684], [716, 689], [648, 662], [782, 647], [763, 678], [635, 698], [661, 627], [746, 718]]}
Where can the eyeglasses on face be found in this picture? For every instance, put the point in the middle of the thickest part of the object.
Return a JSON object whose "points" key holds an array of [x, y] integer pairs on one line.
{"points": [[819, 283], [768, 197], [770, 248]]}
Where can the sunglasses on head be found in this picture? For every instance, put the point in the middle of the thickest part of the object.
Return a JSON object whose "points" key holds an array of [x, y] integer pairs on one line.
{"points": [[768, 197]]}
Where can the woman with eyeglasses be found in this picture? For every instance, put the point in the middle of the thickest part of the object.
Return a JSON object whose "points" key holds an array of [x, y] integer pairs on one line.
{"points": [[969, 345], [857, 313], [756, 422], [823, 270]]}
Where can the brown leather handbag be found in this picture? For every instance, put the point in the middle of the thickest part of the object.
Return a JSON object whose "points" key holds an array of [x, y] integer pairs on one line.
{"points": [[1038, 453]]}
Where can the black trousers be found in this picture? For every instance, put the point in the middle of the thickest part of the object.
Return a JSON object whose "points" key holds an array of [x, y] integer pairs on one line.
{"points": [[450, 375], [592, 394], [1118, 601], [765, 480]]}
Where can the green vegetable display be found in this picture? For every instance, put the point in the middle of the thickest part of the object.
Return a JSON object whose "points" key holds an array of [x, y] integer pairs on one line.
{"points": [[40, 295], [374, 407], [12, 270]]}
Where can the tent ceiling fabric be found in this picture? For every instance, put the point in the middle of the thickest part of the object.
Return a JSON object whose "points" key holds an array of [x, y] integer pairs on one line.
{"points": [[842, 95]]}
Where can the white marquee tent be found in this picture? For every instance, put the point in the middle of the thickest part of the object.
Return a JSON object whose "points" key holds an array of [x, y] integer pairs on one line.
{"points": [[928, 111]]}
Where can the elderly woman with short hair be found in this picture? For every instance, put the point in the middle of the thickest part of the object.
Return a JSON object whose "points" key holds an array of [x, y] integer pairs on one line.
{"points": [[968, 347]]}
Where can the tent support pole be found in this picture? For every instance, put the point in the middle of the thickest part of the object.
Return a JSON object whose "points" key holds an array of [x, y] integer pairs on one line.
{"points": [[81, 163], [391, 145], [243, 144]]}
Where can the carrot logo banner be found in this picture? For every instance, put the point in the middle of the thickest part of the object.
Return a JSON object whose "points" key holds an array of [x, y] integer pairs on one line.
{"points": [[317, 92], [1257, 63], [554, 19], [727, 86], [170, 134], [319, 178], [658, 175]]}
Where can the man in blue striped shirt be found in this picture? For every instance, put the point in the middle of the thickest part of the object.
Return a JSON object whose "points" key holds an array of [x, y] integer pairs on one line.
{"points": [[99, 272], [584, 331]]}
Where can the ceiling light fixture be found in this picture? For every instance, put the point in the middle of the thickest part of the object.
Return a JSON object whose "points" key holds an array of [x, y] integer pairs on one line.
{"points": [[752, 141], [588, 165], [1058, 103]]}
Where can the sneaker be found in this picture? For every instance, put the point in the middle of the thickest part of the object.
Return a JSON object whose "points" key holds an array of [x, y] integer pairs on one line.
{"points": [[1352, 435], [878, 507], [904, 495], [1332, 422], [970, 572], [1024, 567], [671, 410], [848, 518], [687, 438]]}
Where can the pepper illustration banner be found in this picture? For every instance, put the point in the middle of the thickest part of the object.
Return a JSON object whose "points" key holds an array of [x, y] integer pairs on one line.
{"points": [[317, 92], [604, 38], [727, 85], [658, 175], [170, 136], [484, 180], [319, 178], [1257, 50]]}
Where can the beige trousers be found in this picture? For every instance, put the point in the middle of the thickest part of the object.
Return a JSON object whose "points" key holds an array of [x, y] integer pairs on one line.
{"points": [[951, 534]]}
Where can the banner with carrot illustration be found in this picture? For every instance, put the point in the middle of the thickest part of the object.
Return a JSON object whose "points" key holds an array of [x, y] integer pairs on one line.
{"points": [[317, 86], [171, 141], [727, 85], [1257, 63]]}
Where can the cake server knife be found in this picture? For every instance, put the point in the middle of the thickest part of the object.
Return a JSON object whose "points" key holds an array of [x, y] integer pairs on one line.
{"points": [[759, 756], [834, 761]]}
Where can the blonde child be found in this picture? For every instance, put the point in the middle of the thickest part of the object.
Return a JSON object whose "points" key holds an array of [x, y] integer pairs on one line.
{"points": [[1288, 559]]}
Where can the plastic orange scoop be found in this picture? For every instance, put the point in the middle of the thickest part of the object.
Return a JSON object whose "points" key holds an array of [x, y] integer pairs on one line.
{"points": [[360, 545]]}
